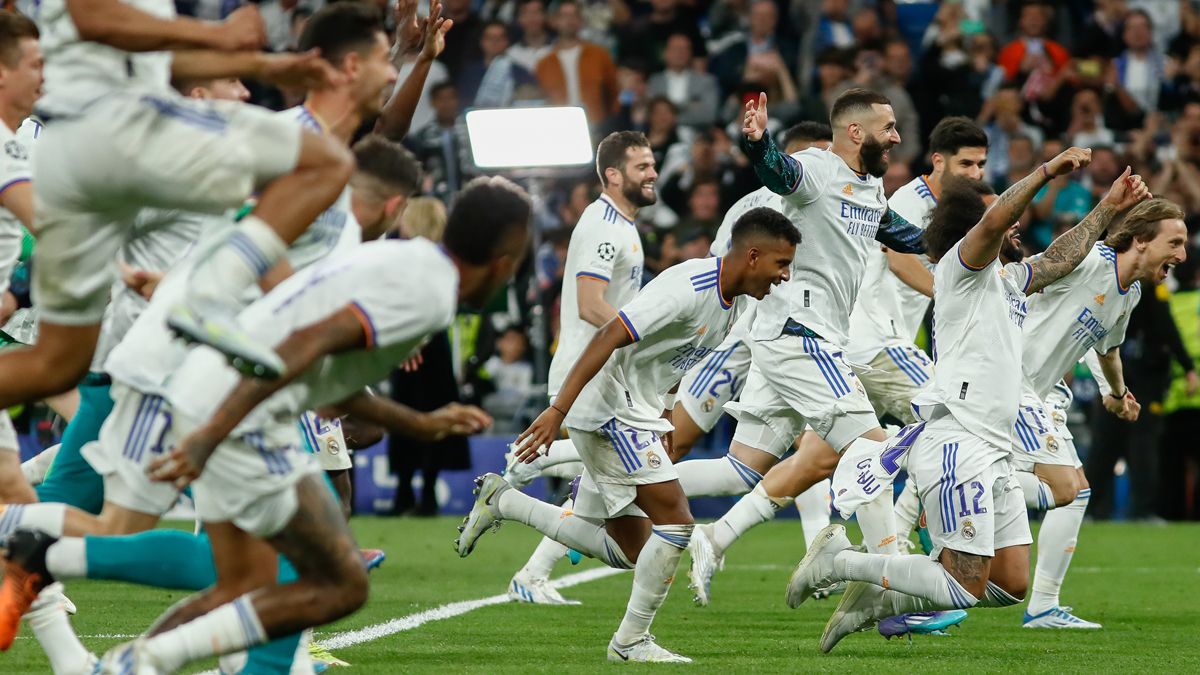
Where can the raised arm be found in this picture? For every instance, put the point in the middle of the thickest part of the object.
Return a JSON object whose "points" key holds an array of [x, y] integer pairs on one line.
{"points": [[545, 428], [120, 25], [289, 71], [982, 244], [1071, 247], [340, 332], [396, 117], [779, 172], [898, 234]]}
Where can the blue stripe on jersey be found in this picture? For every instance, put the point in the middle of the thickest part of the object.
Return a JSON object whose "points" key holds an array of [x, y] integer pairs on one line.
{"points": [[15, 181], [12, 516], [1026, 434], [210, 120], [906, 366], [628, 326]]}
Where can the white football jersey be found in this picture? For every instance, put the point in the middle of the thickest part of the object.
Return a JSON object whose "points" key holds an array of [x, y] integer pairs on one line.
{"points": [[336, 229], [401, 291], [837, 212], [763, 196], [14, 170], [889, 312], [1086, 309], [605, 245], [675, 321], [978, 317], [78, 72]]}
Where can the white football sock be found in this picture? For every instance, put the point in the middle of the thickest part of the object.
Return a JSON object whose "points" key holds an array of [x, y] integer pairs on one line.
{"points": [[1056, 545], [813, 506], [565, 470], [994, 596], [547, 553], [559, 452], [1037, 494], [35, 468], [652, 579], [46, 517], [52, 628], [914, 575], [877, 520], [244, 255], [716, 477], [67, 558], [752, 509], [229, 628], [583, 535], [908, 510]]}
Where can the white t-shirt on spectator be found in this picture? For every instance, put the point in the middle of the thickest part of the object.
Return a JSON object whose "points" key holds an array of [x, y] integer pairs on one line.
{"points": [[569, 59]]}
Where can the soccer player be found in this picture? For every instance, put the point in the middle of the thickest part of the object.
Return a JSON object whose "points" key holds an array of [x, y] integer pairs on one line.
{"points": [[960, 459], [338, 325], [630, 510], [109, 103], [798, 377], [883, 328], [1086, 311], [603, 272], [20, 87]]}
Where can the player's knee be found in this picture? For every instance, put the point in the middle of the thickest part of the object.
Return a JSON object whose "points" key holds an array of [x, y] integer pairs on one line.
{"points": [[1064, 491]]}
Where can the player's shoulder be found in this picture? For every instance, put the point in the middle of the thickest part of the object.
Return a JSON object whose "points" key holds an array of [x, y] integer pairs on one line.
{"points": [[303, 116], [913, 193]]}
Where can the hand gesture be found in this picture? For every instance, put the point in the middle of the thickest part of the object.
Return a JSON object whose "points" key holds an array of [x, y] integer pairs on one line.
{"points": [[1126, 407], [1126, 191], [409, 29], [436, 27], [1071, 159], [242, 30], [140, 281], [185, 463], [455, 419], [539, 435], [754, 122], [303, 71]]}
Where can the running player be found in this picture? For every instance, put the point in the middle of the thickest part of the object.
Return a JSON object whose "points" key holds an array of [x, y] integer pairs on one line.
{"points": [[629, 509], [603, 271], [109, 102], [882, 350], [21, 71], [338, 325], [960, 460], [1086, 311]]}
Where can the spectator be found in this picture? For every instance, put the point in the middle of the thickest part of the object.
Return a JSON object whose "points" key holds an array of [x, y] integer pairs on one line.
{"points": [[710, 157], [535, 39], [703, 214], [646, 38], [957, 71], [1001, 120], [898, 175], [577, 72], [662, 128], [1062, 199], [762, 38], [1020, 159], [494, 80], [510, 373], [832, 28], [429, 386], [867, 29], [892, 80], [1101, 35], [277, 16], [1032, 48], [1152, 343], [1087, 128], [1141, 69], [1182, 407], [462, 42], [695, 94], [442, 145]]}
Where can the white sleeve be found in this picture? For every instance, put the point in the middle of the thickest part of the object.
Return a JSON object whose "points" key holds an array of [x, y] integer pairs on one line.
{"points": [[598, 248], [14, 164], [817, 169], [657, 305], [389, 316], [1021, 273], [1092, 359]]}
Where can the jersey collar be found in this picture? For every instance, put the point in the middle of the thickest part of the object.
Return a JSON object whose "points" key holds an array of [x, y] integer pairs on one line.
{"points": [[606, 200], [721, 293], [925, 181]]}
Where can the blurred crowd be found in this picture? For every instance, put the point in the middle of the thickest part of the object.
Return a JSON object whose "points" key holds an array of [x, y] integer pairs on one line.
{"points": [[1119, 76]]}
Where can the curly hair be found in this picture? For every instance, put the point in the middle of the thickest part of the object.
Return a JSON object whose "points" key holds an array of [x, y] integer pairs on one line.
{"points": [[958, 209]]}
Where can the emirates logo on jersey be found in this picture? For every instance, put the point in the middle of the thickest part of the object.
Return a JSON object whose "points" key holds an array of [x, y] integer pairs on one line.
{"points": [[1100, 299]]}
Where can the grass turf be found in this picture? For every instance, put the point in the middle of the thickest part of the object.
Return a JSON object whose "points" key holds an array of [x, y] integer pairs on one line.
{"points": [[1142, 583]]}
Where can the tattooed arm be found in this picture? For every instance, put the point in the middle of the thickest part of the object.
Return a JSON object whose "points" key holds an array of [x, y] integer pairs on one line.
{"points": [[982, 244], [1071, 247]]}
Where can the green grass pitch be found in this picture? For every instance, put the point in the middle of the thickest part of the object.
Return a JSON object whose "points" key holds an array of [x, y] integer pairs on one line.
{"points": [[1142, 583]]}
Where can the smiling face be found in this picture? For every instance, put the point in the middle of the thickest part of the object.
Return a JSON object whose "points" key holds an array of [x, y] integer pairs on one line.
{"points": [[878, 133], [769, 264], [636, 180], [22, 79], [1167, 249], [371, 75]]}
